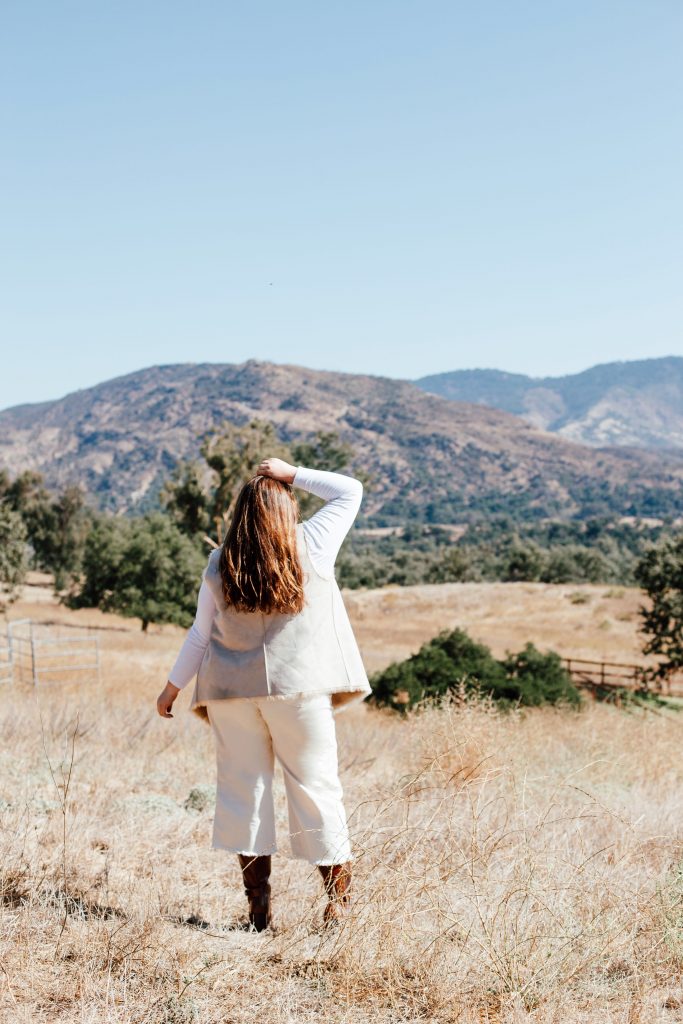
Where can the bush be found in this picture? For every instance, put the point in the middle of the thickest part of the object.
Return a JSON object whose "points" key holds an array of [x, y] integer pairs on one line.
{"points": [[452, 567], [452, 659], [540, 678], [575, 564], [522, 562]]}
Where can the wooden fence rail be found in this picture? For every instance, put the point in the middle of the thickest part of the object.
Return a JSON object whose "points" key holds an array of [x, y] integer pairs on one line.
{"points": [[595, 675]]}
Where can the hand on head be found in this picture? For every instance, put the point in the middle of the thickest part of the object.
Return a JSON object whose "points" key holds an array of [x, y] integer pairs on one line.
{"points": [[278, 469]]}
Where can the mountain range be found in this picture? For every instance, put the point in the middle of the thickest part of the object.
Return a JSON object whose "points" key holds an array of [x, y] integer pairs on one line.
{"points": [[637, 403], [429, 457]]}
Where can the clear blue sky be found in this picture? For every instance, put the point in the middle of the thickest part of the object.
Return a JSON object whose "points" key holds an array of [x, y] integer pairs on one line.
{"points": [[394, 188]]}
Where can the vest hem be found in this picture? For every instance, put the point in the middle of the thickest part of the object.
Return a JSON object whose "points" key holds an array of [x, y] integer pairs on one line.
{"points": [[354, 697]]}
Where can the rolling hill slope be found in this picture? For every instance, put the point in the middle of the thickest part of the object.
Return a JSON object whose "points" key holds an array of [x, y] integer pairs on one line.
{"points": [[431, 458]]}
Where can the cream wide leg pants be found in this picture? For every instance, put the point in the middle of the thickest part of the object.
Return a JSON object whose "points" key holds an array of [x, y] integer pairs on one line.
{"points": [[300, 731]]}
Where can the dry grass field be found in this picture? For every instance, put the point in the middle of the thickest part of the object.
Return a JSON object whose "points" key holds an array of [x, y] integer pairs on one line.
{"points": [[582, 620], [520, 867]]}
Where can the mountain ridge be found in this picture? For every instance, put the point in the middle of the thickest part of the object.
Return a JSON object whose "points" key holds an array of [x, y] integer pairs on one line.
{"points": [[636, 403], [431, 457]]}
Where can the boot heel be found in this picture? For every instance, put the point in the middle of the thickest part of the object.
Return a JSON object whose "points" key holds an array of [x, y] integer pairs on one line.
{"points": [[255, 875], [337, 882]]}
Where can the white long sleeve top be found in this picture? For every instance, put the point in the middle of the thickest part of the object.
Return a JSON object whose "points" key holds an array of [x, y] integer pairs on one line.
{"points": [[325, 532]]}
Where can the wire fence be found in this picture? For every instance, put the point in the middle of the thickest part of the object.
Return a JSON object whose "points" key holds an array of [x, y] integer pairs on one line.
{"points": [[39, 654]]}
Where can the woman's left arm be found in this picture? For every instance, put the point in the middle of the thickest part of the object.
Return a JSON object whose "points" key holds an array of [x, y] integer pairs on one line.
{"points": [[326, 529], [191, 653]]}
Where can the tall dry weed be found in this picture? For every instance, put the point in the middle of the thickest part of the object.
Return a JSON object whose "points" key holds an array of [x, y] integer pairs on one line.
{"points": [[509, 867]]}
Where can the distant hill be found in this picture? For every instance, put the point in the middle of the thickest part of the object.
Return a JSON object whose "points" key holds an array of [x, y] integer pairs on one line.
{"points": [[635, 404], [431, 458]]}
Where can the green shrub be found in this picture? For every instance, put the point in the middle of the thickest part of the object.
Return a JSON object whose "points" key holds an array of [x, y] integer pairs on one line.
{"points": [[439, 666], [454, 566], [540, 678], [452, 659]]}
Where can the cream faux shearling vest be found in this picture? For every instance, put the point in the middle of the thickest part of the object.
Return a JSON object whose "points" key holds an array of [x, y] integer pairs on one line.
{"points": [[256, 654]]}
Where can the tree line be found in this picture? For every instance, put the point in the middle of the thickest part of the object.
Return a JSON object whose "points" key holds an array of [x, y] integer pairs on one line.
{"points": [[499, 548], [149, 566], [146, 566]]}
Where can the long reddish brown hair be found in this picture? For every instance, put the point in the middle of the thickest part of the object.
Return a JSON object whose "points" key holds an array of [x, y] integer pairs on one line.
{"points": [[259, 562]]}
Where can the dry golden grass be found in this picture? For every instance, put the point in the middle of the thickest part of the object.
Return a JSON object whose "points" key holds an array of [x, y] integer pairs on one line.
{"points": [[526, 867], [580, 620]]}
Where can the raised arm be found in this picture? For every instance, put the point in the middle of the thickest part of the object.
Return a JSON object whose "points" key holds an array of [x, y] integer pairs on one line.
{"points": [[325, 531]]}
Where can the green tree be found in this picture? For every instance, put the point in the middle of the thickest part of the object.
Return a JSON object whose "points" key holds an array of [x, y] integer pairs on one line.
{"points": [[323, 451], [233, 454], [186, 499], [27, 495], [65, 531], [576, 564], [453, 566], [144, 567], [101, 561], [201, 504], [522, 561], [13, 553], [24, 491], [660, 573], [56, 526]]}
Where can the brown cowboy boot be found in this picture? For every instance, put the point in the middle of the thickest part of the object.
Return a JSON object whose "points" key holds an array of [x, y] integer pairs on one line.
{"points": [[255, 875], [337, 881]]}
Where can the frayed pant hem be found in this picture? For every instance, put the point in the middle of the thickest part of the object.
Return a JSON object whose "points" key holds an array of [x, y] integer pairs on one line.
{"points": [[325, 862], [329, 863], [245, 853]]}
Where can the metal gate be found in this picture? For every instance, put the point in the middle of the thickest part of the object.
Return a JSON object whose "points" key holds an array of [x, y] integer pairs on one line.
{"points": [[41, 654], [6, 674], [21, 655]]}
